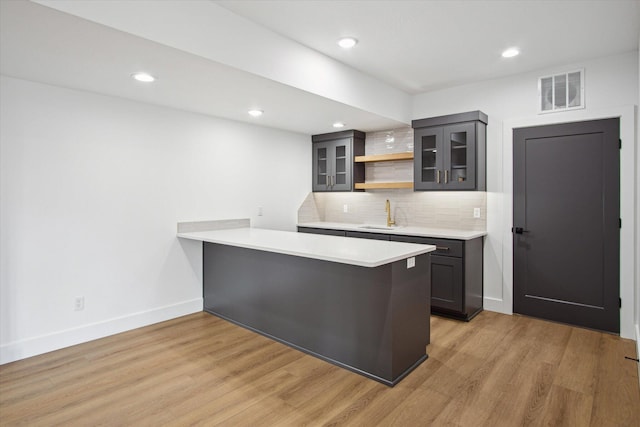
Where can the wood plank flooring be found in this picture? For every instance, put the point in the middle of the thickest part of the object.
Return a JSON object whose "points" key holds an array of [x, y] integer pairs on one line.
{"points": [[496, 370]]}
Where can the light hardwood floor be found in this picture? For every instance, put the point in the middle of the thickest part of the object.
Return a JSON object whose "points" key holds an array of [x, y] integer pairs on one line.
{"points": [[496, 370]]}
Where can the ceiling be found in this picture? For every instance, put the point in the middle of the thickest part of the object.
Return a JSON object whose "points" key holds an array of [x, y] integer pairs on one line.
{"points": [[418, 46], [405, 48]]}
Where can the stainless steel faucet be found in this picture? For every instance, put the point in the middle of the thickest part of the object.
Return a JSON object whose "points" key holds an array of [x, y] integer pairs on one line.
{"points": [[387, 207]]}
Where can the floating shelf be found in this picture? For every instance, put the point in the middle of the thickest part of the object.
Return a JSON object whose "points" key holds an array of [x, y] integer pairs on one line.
{"points": [[382, 185], [384, 157]]}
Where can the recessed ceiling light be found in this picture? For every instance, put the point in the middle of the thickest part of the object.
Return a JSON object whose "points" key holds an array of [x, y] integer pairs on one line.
{"points": [[143, 77], [338, 125], [347, 42], [511, 52], [255, 113]]}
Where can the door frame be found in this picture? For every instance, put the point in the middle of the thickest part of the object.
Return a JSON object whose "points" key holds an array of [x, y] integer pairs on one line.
{"points": [[628, 186]]}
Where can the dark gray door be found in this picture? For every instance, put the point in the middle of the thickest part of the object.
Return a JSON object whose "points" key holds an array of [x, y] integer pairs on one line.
{"points": [[566, 208]]}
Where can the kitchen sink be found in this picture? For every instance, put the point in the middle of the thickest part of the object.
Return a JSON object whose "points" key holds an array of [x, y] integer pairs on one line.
{"points": [[376, 227]]}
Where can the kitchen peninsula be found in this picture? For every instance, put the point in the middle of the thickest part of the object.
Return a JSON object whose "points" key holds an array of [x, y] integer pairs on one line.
{"points": [[362, 305]]}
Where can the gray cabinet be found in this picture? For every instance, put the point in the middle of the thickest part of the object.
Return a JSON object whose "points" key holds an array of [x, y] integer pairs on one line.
{"points": [[456, 270], [456, 275], [333, 167], [450, 152]]}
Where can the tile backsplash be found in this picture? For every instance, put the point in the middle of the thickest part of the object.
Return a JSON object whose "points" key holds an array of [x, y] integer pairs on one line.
{"points": [[389, 141], [437, 209], [385, 142]]}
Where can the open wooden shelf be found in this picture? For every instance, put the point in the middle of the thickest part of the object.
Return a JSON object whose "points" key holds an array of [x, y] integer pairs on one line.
{"points": [[382, 185], [384, 157]]}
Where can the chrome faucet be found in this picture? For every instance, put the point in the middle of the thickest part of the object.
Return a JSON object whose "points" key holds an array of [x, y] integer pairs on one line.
{"points": [[387, 207]]}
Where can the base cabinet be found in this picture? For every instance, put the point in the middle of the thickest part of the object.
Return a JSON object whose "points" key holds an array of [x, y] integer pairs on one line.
{"points": [[456, 270], [456, 275], [370, 320]]}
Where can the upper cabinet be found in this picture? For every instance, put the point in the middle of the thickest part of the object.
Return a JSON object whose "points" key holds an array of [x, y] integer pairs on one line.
{"points": [[450, 152], [333, 167]]}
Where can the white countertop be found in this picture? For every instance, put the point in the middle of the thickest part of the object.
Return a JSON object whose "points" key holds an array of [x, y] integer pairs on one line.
{"points": [[362, 252], [439, 233]]}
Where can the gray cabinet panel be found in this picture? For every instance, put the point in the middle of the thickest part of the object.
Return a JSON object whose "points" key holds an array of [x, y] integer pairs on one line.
{"points": [[446, 282]]}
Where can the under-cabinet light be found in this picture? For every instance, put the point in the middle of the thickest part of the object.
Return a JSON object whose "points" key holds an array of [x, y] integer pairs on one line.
{"points": [[255, 113]]}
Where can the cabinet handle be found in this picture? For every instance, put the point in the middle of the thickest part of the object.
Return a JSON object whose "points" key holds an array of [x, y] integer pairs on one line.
{"points": [[438, 176], [442, 248], [333, 180], [446, 176], [326, 180]]}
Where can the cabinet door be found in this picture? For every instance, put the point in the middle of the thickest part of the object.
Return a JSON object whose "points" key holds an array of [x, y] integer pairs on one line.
{"points": [[321, 167], [446, 283], [460, 156], [340, 155], [428, 158]]}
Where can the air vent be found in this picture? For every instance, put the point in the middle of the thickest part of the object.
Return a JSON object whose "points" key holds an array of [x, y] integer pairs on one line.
{"points": [[561, 92]]}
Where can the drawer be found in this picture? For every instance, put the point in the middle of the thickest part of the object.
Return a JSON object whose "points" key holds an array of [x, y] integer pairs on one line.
{"points": [[325, 231], [446, 247], [365, 235]]}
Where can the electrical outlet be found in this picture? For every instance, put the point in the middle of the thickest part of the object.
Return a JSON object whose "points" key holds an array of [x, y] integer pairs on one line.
{"points": [[259, 210], [411, 262], [78, 304], [345, 208], [476, 212]]}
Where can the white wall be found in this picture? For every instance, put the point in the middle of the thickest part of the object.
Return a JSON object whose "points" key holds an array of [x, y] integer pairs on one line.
{"points": [[611, 89], [91, 190]]}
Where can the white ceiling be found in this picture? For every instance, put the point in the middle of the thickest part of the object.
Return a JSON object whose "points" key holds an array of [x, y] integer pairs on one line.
{"points": [[419, 46], [406, 47]]}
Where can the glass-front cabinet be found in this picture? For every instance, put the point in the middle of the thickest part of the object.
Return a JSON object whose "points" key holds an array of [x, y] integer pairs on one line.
{"points": [[450, 152], [333, 166], [428, 159]]}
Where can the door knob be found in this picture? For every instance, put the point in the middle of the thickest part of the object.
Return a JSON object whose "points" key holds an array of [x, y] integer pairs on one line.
{"points": [[518, 230]]}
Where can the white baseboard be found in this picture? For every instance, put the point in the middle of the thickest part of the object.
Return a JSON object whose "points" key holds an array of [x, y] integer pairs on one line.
{"points": [[495, 304], [43, 344]]}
